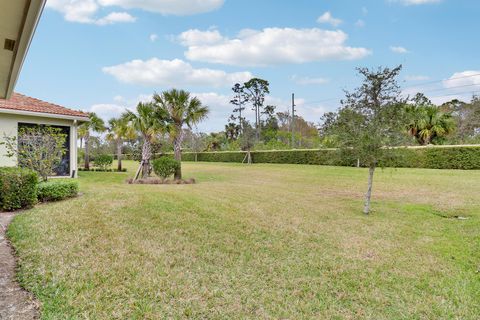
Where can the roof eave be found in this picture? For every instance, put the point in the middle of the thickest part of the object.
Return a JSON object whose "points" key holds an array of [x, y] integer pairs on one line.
{"points": [[31, 18], [45, 115]]}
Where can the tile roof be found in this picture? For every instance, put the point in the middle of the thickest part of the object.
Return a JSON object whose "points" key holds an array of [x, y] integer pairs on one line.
{"points": [[23, 103]]}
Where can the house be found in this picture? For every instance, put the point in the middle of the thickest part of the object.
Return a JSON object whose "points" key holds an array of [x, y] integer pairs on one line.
{"points": [[21, 111], [18, 21]]}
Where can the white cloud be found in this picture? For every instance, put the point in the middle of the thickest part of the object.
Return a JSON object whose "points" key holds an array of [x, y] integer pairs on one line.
{"points": [[416, 2], [329, 19], [167, 7], [75, 11], [153, 37], [155, 72], [85, 11], [195, 37], [416, 78], [360, 23], [308, 80], [398, 49], [271, 46], [364, 11], [115, 17]]}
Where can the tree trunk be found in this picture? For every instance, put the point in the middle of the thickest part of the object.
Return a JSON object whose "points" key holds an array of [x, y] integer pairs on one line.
{"points": [[177, 145], [146, 156], [87, 151], [368, 195], [119, 155]]}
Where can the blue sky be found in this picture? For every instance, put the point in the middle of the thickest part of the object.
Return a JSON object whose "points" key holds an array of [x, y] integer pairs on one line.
{"points": [[106, 55]]}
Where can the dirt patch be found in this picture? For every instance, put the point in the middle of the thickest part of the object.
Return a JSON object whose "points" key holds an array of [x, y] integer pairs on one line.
{"points": [[160, 181], [15, 302]]}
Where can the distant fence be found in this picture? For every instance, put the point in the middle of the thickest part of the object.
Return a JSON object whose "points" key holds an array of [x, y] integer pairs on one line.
{"points": [[465, 157]]}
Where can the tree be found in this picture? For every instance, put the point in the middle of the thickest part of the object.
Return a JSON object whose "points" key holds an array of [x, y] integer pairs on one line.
{"points": [[148, 121], [370, 120], [39, 148], [118, 132], [95, 124], [270, 124], [232, 130], [239, 100], [466, 117], [181, 110], [427, 122], [256, 89]]}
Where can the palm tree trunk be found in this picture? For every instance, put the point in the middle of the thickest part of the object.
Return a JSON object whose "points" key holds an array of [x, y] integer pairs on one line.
{"points": [[368, 195], [87, 151], [119, 154], [146, 156], [177, 145]]}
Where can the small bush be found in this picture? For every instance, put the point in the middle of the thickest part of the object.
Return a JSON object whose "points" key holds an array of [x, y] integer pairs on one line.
{"points": [[164, 167], [18, 188], [57, 190], [103, 161]]}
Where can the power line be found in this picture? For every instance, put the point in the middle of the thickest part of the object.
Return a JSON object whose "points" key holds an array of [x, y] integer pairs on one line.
{"points": [[456, 87], [419, 85], [438, 81]]}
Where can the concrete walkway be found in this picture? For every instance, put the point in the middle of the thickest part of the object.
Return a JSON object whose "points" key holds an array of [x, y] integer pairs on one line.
{"points": [[15, 303]]}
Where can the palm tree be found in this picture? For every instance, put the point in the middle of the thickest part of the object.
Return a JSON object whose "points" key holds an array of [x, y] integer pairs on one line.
{"points": [[428, 124], [182, 110], [148, 121], [95, 124], [118, 132]]}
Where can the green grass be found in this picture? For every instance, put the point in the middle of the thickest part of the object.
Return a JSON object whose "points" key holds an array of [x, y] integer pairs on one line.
{"points": [[260, 241]]}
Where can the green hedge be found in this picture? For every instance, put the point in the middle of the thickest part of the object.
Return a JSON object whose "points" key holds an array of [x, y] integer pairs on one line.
{"points": [[56, 190], [18, 188], [451, 157]]}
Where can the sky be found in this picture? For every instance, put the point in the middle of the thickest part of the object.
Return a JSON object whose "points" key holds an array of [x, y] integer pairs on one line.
{"points": [[105, 56]]}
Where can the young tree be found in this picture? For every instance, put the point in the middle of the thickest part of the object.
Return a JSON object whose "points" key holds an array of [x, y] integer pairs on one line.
{"points": [[148, 121], [370, 120], [427, 122], [181, 110], [256, 89], [95, 124], [118, 132], [38, 148]]}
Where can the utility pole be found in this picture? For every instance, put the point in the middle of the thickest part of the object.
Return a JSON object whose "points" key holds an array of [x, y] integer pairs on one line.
{"points": [[292, 124]]}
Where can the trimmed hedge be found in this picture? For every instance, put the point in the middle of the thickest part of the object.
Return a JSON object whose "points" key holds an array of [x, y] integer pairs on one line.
{"points": [[56, 190], [103, 161], [441, 157], [165, 167], [18, 188]]}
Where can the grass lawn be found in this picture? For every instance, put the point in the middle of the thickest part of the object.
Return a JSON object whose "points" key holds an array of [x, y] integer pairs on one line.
{"points": [[260, 241]]}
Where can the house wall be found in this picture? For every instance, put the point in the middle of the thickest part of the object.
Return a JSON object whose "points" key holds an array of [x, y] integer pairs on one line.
{"points": [[9, 127]]}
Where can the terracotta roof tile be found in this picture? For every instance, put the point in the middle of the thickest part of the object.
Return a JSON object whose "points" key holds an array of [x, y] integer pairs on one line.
{"points": [[23, 103]]}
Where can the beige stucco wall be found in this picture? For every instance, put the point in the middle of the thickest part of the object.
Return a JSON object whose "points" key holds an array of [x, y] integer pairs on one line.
{"points": [[9, 127]]}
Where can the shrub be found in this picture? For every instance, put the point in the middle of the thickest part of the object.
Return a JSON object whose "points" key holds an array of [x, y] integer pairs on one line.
{"points": [[18, 188], [164, 167], [103, 161], [57, 190]]}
